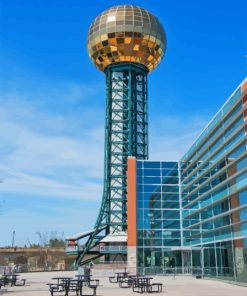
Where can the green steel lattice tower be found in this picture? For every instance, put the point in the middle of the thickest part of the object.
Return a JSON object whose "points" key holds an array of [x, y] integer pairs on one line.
{"points": [[125, 42]]}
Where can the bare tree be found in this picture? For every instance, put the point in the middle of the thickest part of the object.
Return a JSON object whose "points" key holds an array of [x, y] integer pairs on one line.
{"points": [[52, 239]]}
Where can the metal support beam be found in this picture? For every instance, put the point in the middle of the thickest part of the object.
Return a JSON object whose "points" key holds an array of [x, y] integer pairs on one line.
{"points": [[126, 134]]}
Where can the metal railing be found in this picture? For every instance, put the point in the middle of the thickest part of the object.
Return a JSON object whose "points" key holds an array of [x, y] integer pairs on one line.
{"points": [[226, 272], [72, 249], [112, 248]]}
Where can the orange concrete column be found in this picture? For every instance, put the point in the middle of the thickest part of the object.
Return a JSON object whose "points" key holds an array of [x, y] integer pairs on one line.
{"points": [[131, 204], [131, 211]]}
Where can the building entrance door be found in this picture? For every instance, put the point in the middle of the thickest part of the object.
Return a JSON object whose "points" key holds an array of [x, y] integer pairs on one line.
{"points": [[186, 257]]}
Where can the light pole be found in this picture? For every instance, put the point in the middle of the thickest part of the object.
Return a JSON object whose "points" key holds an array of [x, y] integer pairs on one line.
{"points": [[13, 239]]}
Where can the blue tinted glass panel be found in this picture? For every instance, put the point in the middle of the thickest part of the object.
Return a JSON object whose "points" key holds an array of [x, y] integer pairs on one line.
{"points": [[170, 214], [169, 165], [152, 188], [171, 242], [241, 181], [233, 113], [152, 164], [139, 196], [151, 195], [139, 204], [139, 164], [170, 204], [170, 180], [170, 196], [237, 152], [171, 234], [234, 127], [139, 188], [172, 224], [243, 198], [166, 188], [233, 141], [242, 164], [214, 122], [243, 214], [140, 223], [169, 173], [231, 101], [139, 180], [139, 173], [152, 180], [147, 204], [150, 172]]}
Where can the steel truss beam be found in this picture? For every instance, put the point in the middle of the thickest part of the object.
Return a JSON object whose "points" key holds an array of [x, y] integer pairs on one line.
{"points": [[126, 134]]}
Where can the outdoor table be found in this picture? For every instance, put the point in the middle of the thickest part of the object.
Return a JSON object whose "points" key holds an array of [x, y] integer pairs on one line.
{"points": [[76, 285], [121, 275], [60, 279], [63, 281], [141, 282], [55, 288], [82, 282], [125, 282], [144, 279], [12, 277]]}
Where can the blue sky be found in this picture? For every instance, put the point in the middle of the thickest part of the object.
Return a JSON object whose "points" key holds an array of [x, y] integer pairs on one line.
{"points": [[53, 102]]}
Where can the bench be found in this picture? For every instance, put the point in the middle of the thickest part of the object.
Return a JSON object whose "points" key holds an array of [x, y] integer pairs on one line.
{"points": [[20, 282], [154, 288], [93, 283], [73, 287], [13, 280], [4, 280], [113, 279], [125, 283], [56, 288], [139, 286]]}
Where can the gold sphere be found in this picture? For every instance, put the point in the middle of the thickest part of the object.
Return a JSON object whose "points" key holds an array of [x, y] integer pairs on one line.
{"points": [[126, 33]]}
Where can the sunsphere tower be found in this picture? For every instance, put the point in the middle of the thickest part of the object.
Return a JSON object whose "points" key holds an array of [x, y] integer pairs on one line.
{"points": [[125, 42]]}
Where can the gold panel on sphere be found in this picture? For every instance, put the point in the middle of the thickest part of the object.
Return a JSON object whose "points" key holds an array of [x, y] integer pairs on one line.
{"points": [[126, 33]]}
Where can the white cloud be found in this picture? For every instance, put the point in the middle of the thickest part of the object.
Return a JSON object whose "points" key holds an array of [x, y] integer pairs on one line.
{"points": [[52, 145], [18, 182], [50, 156], [171, 136], [61, 154]]}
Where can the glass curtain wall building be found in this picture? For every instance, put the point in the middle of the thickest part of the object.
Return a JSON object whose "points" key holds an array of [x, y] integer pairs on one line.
{"points": [[192, 214], [158, 215], [214, 192]]}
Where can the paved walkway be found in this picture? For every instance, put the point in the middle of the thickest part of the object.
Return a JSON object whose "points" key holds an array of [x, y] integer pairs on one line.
{"points": [[178, 286]]}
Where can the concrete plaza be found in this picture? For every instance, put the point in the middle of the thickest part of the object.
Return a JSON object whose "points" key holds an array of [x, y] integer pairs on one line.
{"points": [[180, 285]]}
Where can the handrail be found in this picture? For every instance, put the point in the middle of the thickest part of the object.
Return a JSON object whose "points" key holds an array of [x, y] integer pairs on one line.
{"points": [[112, 248], [96, 248]]}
